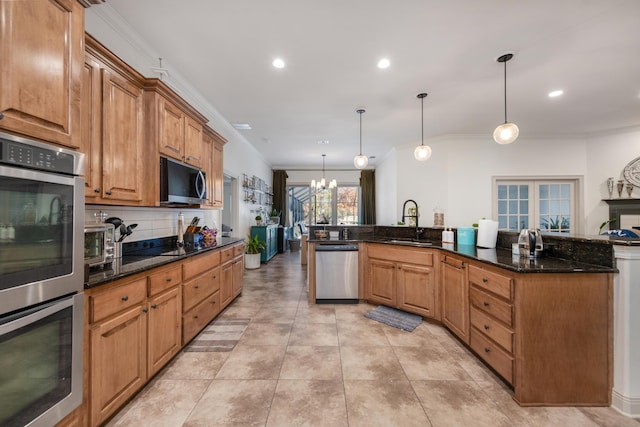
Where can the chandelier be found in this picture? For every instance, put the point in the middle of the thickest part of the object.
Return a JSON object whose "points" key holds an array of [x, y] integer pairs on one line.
{"points": [[322, 184]]}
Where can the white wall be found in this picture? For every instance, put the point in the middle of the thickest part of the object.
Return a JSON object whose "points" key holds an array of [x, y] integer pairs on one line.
{"points": [[386, 189], [458, 176], [239, 156], [607, 155]]}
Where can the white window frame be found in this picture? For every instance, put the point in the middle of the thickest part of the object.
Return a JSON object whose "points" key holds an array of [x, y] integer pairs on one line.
{"points": [[577, 210]]}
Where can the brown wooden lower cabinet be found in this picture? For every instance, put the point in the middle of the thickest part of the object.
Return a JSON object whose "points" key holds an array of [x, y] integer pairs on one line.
{"points": [[136, 325], [401, 277], [547, 335], [455, 298]]}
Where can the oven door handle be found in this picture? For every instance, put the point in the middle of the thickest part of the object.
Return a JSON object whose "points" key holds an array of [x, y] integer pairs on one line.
{"points": [[26, 317]]}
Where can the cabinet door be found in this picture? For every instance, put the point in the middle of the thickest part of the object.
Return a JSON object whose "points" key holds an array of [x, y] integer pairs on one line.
{"points": [[416, 289], [381, 286], [122, 139], [91, 141], [165, 327], [217, 189], [193, 145], [238, 272], [226, 284], [118, 361], [455, 297], [41, 45], [170, 129]]}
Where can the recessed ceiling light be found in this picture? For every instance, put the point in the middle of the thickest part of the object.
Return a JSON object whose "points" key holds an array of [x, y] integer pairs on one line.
{"points": [[555, 93], [323, 141], [278, 63], [241, 126], [384, 63]]}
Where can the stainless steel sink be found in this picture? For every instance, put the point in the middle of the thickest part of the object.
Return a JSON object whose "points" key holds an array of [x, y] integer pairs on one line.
{"points": [[418, 243]]}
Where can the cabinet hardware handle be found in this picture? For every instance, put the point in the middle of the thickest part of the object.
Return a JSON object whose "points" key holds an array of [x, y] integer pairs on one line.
{"points": [[486, 304], [487, 349], [196, 286], [108, 193], [125, 298], [145, 310], [193, 158], [175, 150], [195, 317], [1, 116], [96, 190], [169, 279], [485, 280], [154, 306], [486, 327]]}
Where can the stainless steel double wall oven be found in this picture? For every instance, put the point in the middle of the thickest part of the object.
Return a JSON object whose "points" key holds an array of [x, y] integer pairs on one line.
{"points": [[41, 281]]}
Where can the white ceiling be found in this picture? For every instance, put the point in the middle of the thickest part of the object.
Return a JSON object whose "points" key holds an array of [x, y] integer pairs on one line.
{"points": [[224, 49]]}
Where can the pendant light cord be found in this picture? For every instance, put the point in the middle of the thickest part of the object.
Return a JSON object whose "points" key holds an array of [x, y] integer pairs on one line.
{"points": [[360, 133], [422, 121], [505, 91]]}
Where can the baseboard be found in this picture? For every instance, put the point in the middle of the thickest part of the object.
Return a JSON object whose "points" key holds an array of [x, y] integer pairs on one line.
{"points": [[627, 406]]}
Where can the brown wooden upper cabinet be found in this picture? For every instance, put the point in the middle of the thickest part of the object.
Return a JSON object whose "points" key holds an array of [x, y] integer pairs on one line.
{"points": [[113, 133], [175, 125], [41, 61], [214, 168]]}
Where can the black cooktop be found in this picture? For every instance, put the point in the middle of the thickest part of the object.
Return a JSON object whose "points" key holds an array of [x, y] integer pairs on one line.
{"points": [[151, 248]]}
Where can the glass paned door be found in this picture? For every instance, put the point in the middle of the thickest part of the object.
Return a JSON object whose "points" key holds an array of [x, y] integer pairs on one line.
{"points": [[555, 207], [513, 206]]}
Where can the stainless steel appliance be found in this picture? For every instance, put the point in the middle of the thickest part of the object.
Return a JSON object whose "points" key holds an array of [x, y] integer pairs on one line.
{"points": [[41, 277], [181, 184], [337, 273], [99, 244], [41, 359]]}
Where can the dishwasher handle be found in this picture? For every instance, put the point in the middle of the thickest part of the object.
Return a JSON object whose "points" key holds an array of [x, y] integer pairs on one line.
{"points": [[336, 248]]}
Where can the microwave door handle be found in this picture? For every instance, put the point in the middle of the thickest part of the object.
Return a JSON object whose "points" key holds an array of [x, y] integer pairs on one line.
{"points": [[200, 185]]}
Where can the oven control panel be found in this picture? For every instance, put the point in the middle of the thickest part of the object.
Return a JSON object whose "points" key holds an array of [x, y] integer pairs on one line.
{"points": [[35, 156]]}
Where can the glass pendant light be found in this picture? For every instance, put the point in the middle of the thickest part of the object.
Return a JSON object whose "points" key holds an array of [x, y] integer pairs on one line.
{"points": [[360, 161], [422, 152], [507, 132]]}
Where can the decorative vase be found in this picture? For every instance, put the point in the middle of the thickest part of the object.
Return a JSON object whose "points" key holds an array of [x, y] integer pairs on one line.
{"points": [[629, 189], [620, 186], [610, 186]]}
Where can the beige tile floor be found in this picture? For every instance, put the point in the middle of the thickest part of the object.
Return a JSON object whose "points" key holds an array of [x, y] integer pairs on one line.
{"points": [[306, 365]]}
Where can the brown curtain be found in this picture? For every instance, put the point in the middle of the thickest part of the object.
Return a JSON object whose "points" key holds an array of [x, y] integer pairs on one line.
{"points": [[280, 193], [368, 188]]}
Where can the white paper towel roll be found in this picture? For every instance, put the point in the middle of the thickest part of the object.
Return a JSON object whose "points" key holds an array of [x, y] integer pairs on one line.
{"points": [[487, 233]]}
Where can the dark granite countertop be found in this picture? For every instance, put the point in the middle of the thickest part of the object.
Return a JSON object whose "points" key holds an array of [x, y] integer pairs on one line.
{"points": [[499, 257], [119, 270]]}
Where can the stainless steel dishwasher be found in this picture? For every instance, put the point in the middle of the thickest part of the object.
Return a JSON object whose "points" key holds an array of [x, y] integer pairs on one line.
{"points": [[337, 273]]}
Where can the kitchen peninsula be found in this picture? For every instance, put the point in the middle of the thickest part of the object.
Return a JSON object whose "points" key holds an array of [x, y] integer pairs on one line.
{"points": [[545, 325]]}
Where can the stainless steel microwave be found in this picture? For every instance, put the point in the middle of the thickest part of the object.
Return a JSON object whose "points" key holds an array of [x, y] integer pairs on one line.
{"points": [[181, 184]]}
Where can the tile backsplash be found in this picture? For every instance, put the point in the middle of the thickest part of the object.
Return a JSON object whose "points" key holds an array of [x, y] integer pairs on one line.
{"points": [[153, 222]]}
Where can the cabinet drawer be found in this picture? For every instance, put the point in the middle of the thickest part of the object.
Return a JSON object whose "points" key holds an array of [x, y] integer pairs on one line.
{"points": [[493, 329], [226, 255], [400, 254], [165, 279], [491, 353], [199, 264], [493, 282], [498, 308], [238, 250], [196, 319], [105, 304], [196, 290]]}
